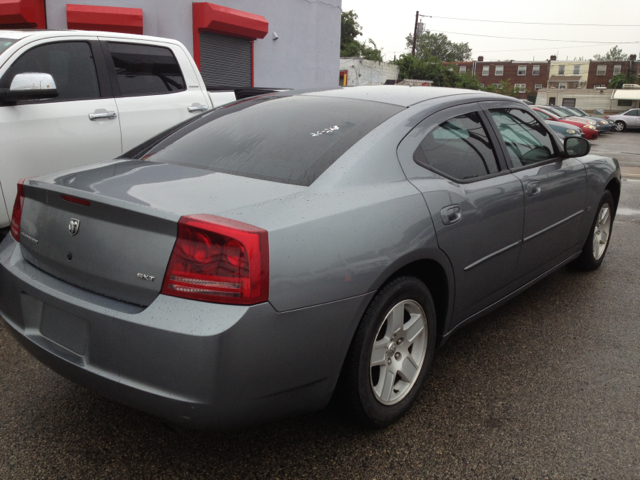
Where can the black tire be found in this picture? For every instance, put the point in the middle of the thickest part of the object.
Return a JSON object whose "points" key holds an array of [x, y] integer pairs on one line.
{"points": [[357, 382], [620, 126], [590, 259]]}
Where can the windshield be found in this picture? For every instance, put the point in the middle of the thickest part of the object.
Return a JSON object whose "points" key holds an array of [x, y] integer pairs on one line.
{"points": [[5, 43], [558, 113]]}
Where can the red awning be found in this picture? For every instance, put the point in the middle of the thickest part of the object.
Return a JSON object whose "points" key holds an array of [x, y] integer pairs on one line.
{"points": [[22, 14], [207, 16], [106, 19]]}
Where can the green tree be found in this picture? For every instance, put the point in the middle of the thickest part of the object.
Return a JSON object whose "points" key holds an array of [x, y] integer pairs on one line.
{"points": [[433, 69], [438, 45], [613, 55], [618, 80], [350, 46]]}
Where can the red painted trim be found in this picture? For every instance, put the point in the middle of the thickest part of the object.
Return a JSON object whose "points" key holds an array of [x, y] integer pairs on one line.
{"points": [[23, 14], [106, 19], [226, 21], [252, 42]]}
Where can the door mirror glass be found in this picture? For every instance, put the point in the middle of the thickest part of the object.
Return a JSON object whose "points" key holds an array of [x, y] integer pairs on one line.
{"points": [[576, 146], [29, 86]]}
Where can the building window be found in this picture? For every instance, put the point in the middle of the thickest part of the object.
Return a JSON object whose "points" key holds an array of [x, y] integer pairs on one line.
{"points": [[599, 86], [624, 103], [562, 85], [522, 70], [497, 85], [520, 87], [482, 85], [568, 102], [538, 86], [463, 69], [485, 71], [536, 70], [561, 70], [499, 70], [617, 69], [576, 69], [602, 70]]}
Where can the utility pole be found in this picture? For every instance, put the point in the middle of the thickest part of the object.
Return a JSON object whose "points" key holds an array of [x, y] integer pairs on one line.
{"points": [[415, 34]]}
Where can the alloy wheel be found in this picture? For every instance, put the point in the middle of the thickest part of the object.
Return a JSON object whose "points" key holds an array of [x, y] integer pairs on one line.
{"points": [[602, 231]]}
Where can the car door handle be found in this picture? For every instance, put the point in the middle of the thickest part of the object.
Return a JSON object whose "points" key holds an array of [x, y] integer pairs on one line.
{"points": [[97, 115], [451, 214], [197, 108], [533, 188]]}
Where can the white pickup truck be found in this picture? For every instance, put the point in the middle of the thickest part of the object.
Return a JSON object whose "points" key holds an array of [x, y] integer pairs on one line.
{"points": [[69, 98]]}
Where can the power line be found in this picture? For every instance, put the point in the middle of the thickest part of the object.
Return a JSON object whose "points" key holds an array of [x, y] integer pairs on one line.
{"points": [[535, 39], [533, 23], [529, 49]]}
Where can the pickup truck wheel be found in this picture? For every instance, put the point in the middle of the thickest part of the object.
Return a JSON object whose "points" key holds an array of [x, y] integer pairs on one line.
{"points": [[620, 126], [599, 235], [391, 353]]}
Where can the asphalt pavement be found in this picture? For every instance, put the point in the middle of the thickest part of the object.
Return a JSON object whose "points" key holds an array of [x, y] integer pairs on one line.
{"points": [[548, 386]]}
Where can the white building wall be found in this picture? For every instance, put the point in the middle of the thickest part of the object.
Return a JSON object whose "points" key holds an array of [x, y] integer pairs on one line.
{"points": [[305, 55], [586, 99], [367, 72]]}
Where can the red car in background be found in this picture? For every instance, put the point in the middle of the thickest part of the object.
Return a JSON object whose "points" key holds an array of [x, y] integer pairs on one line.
{"points": [[590, 132]]}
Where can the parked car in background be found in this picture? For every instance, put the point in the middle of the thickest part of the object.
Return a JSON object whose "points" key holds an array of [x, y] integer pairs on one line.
{"points": [[590, 131], [563, 130], [69, 98], [563, 114], [582, 113], [626, 120], [220, 277], [604, 126]]}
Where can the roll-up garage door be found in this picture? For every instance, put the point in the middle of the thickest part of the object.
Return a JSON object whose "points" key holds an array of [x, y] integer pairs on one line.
{"points": [[225, 61]]}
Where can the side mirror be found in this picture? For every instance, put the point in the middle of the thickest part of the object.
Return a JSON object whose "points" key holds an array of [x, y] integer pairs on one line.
{"points": [[30, 86], [576, 147]]}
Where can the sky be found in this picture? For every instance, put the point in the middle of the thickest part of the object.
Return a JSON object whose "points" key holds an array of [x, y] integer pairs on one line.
{"points": [[389, 22]]}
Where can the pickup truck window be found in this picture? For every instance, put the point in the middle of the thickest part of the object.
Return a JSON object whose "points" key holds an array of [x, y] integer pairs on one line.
{"points": [[145, 70], [69, 63], [5, 43]]}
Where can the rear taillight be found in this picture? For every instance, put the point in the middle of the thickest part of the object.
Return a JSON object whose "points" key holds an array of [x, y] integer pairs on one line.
{"points": [[219, 260], [17, 212]]}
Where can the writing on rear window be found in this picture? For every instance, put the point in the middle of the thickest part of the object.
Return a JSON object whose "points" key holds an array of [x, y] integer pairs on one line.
{"points": [[326, 130]]}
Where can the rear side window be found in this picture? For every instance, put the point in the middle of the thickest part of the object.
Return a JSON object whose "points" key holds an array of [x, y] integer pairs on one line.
{"points": [[459, 148], [145, 70], [287, 139], [69, 63], [527, 141]]}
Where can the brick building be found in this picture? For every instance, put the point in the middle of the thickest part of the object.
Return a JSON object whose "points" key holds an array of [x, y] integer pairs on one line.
{"points": [[601, 73]]}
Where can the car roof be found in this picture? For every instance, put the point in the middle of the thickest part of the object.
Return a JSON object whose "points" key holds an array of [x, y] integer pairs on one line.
{"points": [[51, 33], [401, 95]]}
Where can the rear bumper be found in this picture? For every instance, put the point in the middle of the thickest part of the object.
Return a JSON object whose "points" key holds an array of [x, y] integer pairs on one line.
{"points": [[196, 364]]}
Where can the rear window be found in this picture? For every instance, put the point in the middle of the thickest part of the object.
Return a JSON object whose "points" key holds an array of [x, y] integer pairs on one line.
{"points": [[287, 139], [145, 69]]}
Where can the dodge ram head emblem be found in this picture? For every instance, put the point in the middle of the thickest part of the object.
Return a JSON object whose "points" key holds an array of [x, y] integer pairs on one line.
{"points": [[74, 226]]}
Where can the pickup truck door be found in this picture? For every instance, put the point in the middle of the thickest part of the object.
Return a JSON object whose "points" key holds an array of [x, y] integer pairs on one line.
{"points": [[554, 190], [78, 127], [155, 87]]}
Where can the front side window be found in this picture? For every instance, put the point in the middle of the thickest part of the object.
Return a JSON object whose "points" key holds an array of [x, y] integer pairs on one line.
{"points": [[458, 148], [617, 69], [561, 70], [576, 69], [485, 71], [522, 70], [602, 70], [145, 70], [526, 139], [633, 113], [69, 63], [535, 70], [499, 69]]}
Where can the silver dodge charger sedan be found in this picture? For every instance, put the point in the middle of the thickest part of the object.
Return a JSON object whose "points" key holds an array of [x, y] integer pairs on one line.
{"points": [[249, 263]]}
